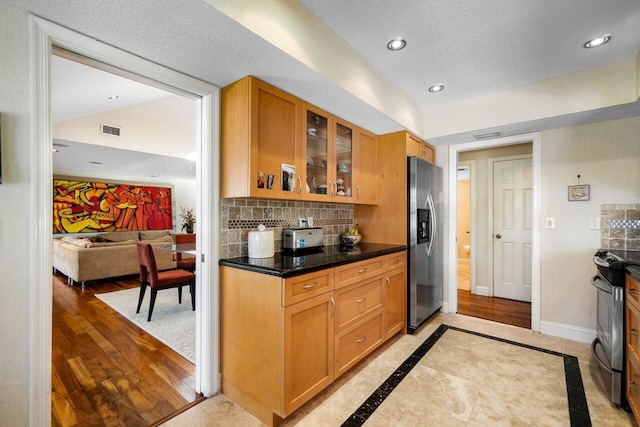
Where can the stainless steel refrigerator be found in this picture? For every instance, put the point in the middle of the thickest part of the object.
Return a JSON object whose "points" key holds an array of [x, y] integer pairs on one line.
{"points": [[425, 234]]}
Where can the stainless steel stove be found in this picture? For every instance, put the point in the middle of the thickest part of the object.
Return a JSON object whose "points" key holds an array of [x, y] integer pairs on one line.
{"points": [[608, 347]]}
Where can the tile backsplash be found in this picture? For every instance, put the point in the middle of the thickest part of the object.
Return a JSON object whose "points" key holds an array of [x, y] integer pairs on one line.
{"points": [[620, 226], [239, 216]]}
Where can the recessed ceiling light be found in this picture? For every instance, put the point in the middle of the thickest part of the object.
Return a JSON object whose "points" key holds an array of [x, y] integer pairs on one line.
{"points": [[598, 41], [436, 88], [396, 44], [55, 151], [113, 97]]}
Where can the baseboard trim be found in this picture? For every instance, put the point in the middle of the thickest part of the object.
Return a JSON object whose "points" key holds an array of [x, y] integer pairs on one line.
{"points": [[445, 307], [567, 331], [482, 290]]}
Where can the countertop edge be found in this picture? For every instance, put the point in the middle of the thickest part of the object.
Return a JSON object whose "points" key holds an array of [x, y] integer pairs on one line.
{"points": [[634, 271], [297, 272]]}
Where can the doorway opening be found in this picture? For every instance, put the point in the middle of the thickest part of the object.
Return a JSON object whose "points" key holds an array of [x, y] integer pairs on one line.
{"points": [[44, 38], [109, 184], [480, 254]]}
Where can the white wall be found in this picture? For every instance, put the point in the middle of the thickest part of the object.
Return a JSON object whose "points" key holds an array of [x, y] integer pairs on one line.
{"points": [[14, 217], [607, 157], [164, 126]]}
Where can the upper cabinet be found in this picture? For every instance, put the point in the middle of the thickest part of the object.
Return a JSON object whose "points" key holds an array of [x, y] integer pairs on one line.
{"points": [[277, 146], [259, 141], [419, 148]]}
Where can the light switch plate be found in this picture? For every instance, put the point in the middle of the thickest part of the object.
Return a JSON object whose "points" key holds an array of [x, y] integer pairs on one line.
{"points": [[550, 223], [594, 224], [309, 221]]}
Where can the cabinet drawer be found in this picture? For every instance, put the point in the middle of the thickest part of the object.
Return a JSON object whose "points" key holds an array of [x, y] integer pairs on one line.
{"points": [[395, 260], [299, 288], [632, 387], [357, 271], [355, 302], [356, 342], [632, 291]]}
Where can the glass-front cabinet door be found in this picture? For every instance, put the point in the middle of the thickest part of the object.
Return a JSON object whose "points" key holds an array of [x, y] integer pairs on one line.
{"points": [[344, 143], [318, 126]]}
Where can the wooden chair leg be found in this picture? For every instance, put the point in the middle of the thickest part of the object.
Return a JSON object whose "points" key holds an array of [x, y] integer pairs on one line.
{"points": [[154, 293], [192, 290], [180, 294], [143, 288]]}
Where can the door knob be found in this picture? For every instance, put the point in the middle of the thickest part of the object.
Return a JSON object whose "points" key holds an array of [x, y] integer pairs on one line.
{"points": [[498, 236]]}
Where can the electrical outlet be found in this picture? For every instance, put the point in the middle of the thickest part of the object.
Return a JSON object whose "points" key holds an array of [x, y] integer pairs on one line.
{"points": [[309, 221], [551, 223], [302, 222], [594, 224]]}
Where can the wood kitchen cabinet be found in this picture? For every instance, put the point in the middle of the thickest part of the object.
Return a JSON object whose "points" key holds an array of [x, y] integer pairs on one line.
{"points": [[395, 294], [274, 145], [632, 338], [386, 222], [277, 340], [365, 190], [419, 148], [283, 340], [259, 133]]}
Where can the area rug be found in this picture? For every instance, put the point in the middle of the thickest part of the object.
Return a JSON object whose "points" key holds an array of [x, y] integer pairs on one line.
{"points": [[172, 323]]}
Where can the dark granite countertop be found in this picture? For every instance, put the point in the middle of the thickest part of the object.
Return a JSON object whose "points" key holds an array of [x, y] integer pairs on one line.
{"points": [[286, 265], [634, 271]]}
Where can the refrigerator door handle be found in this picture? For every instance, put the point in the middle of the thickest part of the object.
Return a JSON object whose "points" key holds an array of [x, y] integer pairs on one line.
{"points": [[433, 224]]}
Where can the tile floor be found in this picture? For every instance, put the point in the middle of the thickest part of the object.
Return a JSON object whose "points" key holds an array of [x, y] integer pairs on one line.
{"points": [[463, 380]]}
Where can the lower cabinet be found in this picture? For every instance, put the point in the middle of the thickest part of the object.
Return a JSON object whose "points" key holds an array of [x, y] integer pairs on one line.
{"points": [[632, 338], [284, 340], [308, 349]]}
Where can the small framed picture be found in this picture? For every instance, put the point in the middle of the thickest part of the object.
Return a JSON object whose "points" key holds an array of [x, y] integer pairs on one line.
{"points": [[579, 192], [288, 177], [270, 179]]}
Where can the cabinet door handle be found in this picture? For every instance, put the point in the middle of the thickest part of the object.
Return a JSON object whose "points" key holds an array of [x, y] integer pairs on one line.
{"points": [[633, 332], [633, 291], [359, 340], [388, 284], [361, 300], [362, 270], [312, 285], [333, 309], [632, 386], [330, 184], [359, 192], [335, 192], [299, 185]]}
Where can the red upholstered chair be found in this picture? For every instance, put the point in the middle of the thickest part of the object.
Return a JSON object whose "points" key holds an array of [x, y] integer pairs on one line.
{"points": [[188, 264], [149, 276]]}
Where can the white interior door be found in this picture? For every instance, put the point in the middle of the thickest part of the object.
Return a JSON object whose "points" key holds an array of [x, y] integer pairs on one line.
{"points": [[512, 228]]}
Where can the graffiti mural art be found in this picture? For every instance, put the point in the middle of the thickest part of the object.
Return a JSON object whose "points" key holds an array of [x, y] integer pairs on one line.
{"points": [[90, 207]]}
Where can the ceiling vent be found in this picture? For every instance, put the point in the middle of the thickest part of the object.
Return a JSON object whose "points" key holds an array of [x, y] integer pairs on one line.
{"points": [[491, 135], [109, 130]]}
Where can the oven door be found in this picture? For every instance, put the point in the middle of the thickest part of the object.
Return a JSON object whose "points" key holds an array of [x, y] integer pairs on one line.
{"points": [[605, 310]]}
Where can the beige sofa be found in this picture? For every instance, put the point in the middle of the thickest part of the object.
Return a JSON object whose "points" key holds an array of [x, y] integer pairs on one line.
{"points": [[112, 255]]}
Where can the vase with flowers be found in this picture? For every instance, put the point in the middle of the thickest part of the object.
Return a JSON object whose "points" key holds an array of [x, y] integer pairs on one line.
{"points": [[188, 219]]}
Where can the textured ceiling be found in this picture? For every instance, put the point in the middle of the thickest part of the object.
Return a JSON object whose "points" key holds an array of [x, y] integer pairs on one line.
{"points": [[472, 47], [478, 47]]}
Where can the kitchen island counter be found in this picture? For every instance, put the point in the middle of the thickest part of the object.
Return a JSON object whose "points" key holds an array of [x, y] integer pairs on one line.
{"points": [[290, 265]]}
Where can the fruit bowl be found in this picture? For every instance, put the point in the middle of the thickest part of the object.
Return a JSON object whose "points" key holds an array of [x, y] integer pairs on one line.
{"points": [[350, 240]]}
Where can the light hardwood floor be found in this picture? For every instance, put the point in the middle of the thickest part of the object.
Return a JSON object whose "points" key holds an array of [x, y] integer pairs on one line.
{"points": [[106, 370]]}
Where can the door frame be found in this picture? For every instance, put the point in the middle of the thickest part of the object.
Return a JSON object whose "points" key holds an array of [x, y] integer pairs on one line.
{"points": [[471, 164], [43, 35], [451, 267], [492, 161]]}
